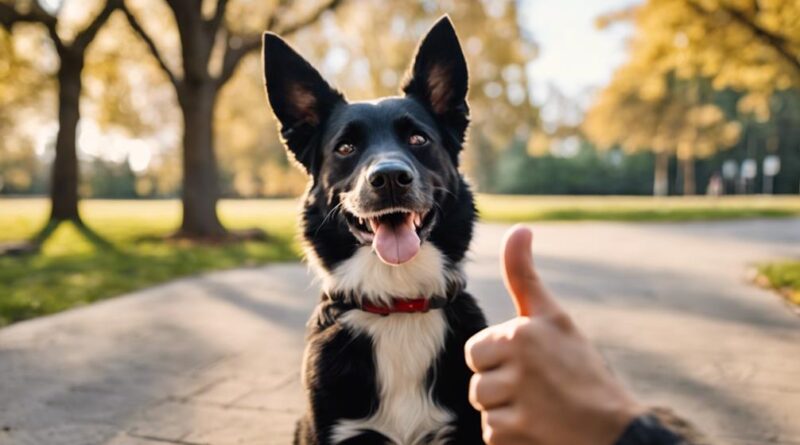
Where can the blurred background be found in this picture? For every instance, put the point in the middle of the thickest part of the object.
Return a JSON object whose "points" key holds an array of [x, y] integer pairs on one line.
{"points": [[143, 124], [611, 97], [653, 145]]}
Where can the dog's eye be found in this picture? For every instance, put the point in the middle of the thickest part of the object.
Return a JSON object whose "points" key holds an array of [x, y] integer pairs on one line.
{"points": [[417, 139], [345, 149]]}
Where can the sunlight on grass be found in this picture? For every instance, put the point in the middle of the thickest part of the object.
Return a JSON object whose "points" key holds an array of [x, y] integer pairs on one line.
{"points": [[509, 208], [71, 271], [783, 276]]}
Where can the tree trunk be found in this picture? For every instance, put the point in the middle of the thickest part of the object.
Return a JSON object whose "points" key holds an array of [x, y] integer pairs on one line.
{"points": [[661, 174], [687, 166], [200, 177], [64, 185]]}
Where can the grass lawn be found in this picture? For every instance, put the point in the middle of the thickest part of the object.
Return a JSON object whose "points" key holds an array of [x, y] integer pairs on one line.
{"points": [[71, 271], [507, 208], [783, 276]]}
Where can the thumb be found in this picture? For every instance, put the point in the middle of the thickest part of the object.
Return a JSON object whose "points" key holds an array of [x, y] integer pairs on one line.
{"points": [[522, 282]]}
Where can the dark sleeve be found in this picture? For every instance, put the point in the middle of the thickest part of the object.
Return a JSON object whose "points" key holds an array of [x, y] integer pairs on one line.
{"points": [[661, 426], [647, 430]]}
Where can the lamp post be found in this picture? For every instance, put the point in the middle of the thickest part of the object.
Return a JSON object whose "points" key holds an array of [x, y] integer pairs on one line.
{"points": [[749, 170], [729, 171], [771, 166]]}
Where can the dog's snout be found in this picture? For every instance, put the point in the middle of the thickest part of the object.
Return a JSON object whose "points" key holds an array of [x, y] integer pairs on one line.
{"points": [[391, 174]]}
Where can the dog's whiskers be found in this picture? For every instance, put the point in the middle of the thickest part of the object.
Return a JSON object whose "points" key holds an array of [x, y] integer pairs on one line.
{"points": [[445, 190], [335, 209], [438, 206]]}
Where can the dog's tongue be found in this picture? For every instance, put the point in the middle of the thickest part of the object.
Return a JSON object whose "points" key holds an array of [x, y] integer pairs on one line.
{"points": [[395, 243]]}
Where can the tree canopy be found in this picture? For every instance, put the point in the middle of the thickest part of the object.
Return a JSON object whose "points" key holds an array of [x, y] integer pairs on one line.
{"points": [[683, 56]]}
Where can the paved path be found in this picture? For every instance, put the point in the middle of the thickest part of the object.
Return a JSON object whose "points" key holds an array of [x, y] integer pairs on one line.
{"points": [[214, 359]]}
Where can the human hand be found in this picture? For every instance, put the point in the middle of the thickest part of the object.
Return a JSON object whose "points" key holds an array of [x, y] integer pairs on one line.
{"points": [[537, 379]]}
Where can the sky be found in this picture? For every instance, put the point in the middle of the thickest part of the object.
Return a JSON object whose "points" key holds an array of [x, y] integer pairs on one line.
{"points": [[574, 55]]}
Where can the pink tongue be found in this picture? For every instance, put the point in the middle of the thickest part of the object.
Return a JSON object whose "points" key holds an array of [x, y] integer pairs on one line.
{"points": [[396, 244]]}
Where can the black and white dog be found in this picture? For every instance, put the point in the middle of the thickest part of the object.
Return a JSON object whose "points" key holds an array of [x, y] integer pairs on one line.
{"points": [[387, 219]]}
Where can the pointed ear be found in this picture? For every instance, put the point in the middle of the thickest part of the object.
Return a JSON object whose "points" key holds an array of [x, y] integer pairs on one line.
{"points": [[299, 96], [438, 77]]}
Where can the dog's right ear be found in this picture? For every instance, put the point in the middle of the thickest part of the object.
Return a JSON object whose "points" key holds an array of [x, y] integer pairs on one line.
{"points": [[300, 98]]}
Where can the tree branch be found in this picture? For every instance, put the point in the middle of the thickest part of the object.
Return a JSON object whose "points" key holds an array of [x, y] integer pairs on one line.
{"points": [[9, 16], [85, 37], [51, 30], [235, 50], [151, 45], [237, 47], [775, 41], [329, 5], [272, 21], [219, 15]]}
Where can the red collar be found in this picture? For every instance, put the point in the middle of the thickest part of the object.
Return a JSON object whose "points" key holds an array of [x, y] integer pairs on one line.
{"points": [[403, 305]]}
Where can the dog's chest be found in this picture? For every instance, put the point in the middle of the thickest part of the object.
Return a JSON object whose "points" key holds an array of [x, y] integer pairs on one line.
{"points": [[405, 347]]}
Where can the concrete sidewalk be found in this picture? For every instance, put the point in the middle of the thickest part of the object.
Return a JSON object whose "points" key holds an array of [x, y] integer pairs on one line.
{"points": [[215, 359]]}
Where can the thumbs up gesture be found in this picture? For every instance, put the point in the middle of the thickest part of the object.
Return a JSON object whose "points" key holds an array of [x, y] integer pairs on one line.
{"points": [[537, 379]]}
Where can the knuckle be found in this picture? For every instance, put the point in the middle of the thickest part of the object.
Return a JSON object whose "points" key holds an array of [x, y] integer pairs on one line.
{"points": [[474, 384], [524, 333], [514, 379], [509, 423], [473, 343], [503, 339], [483, 339], [469, 354], [562, 321], [474, 351]]}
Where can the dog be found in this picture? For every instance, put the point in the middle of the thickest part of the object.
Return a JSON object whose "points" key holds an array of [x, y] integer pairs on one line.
{"points": [[387, 220]]}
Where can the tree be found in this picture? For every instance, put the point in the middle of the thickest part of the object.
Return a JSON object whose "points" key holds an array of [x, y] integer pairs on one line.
{"points": [[252, 160], [684, 54], [211, 49], [495, 46], [71, 56], [23, 86], [667, 116], [747, 45]]}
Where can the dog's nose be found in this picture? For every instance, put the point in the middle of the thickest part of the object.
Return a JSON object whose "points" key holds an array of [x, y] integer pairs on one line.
{"points": [[391, 174]]}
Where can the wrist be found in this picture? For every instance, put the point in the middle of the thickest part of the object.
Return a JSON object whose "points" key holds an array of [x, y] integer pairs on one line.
{"points": [[646, 429], [620, 417]]}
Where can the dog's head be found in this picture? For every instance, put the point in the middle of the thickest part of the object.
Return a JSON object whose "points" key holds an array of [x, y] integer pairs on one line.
{"points": [[383, 173]]}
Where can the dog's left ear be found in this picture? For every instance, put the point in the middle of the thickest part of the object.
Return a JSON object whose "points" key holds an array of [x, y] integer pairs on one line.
{"points": [[438, 77]]}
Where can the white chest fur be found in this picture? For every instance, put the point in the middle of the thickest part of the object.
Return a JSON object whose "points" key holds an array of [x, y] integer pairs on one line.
{"points": [[405, 347], [365, 276]]}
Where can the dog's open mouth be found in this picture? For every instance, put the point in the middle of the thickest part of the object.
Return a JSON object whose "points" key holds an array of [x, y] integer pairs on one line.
{"points": [[393, 233]]}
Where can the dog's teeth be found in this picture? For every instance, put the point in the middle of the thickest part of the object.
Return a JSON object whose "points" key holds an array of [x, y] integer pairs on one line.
{"points": [[417, 220]]}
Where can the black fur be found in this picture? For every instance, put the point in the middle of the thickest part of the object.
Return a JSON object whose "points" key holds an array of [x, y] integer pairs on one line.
{"points": [[315, 120]]}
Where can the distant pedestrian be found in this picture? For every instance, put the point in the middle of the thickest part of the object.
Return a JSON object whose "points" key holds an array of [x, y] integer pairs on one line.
{"points": [[714, 185]]}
